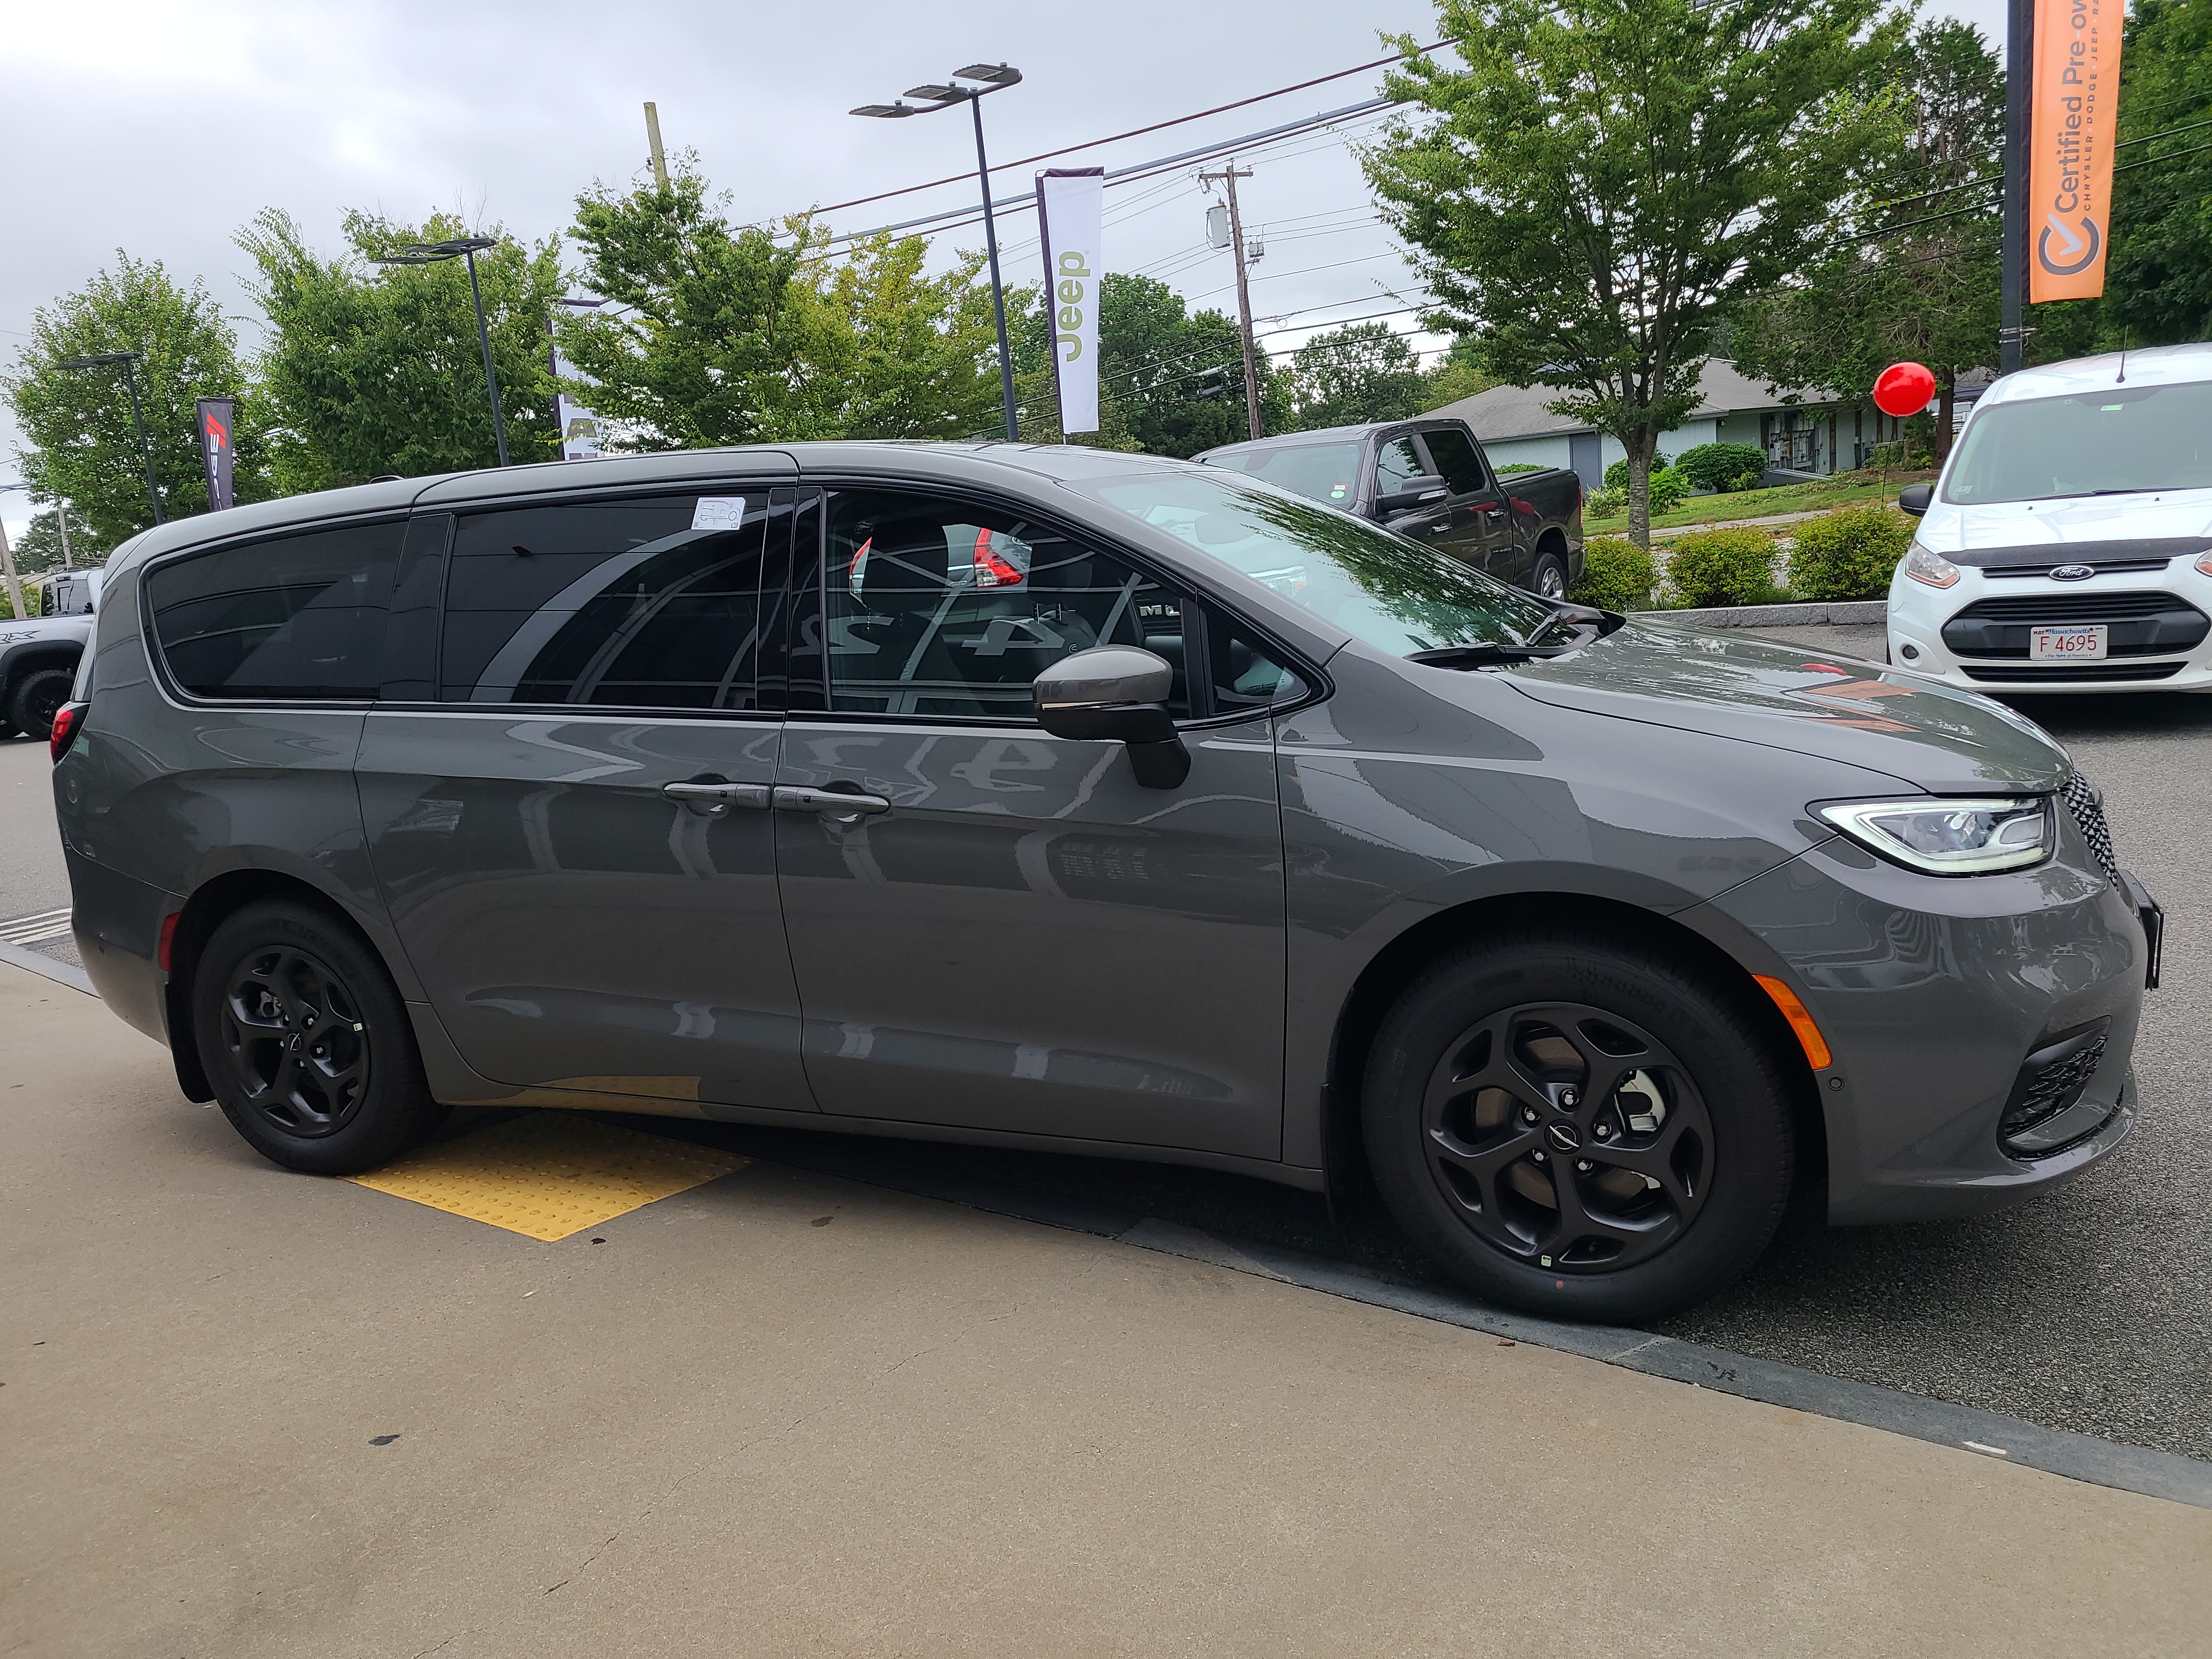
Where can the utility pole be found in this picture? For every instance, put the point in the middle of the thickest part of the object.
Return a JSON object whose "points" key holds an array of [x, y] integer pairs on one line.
{"points": [[1230, 175], [653, 136], [8, 568], [2020, 62], [61, 512]]}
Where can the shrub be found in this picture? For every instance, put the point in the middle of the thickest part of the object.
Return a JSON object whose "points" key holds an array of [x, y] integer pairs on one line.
{"points": [[1721, 567], [1616, 575], [1604, 503], [1616, 475], [1849, 553], [1669, 489], [1721, 466], [1521, 466]]}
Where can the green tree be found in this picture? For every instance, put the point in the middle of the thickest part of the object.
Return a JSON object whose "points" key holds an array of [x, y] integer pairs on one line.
{"points": [[82, 445], [1603, 177], [889, 352], [39, 549], [1359, 373], [1459, 375], [370, 370], [1914, 272]]}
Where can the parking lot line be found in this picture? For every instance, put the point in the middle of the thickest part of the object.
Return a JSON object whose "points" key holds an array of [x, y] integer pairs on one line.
{"points": [[549, 1175]]}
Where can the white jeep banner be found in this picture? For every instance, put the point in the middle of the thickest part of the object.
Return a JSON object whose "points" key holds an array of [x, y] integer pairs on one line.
{"points": [[1070, 219]]}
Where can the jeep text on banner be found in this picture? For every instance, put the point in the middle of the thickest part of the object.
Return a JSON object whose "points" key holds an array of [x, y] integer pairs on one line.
{"points": [[1071, 218], [2070, 122], [218, 417]]}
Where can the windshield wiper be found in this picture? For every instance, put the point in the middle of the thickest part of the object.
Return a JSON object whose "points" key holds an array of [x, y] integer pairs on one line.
{"points": [[1488, 654], [1603, 621]]}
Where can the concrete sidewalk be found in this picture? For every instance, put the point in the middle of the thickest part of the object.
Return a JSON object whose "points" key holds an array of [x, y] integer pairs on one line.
{"points": [[777, 1414]]}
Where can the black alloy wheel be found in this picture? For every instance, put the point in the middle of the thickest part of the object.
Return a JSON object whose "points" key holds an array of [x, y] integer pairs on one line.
{"points": [[1568, 1137], [295, 1043], [1574, 1123], [306, 1043], [38, 697]]}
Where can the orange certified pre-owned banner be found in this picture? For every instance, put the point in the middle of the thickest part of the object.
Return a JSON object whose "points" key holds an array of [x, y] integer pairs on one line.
{"points": [[2070, 192]]}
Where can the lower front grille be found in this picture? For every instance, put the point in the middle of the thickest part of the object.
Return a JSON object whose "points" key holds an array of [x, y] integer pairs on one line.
{"points": [[2051, 1082], [2070, 672], [2142, 623]]}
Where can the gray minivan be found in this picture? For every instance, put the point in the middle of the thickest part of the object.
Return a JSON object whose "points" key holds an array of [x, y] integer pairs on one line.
{"points": [[1093, 803]]}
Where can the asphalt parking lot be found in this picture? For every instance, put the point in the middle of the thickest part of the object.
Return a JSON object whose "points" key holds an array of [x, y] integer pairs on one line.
{"points": [[2089, 1309]]}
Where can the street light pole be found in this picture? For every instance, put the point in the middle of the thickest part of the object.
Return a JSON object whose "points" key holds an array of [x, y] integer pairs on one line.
{"points": [[2020, 60], [130, 361], [996, 78], [463, 247]]}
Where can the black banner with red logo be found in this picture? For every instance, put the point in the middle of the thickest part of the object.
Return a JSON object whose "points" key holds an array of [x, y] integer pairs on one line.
{"points": [[217, 416]]}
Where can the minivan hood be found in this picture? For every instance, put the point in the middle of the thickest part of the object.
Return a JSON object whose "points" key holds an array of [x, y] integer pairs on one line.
{"points": [[2156, 518], [1786, 696]]}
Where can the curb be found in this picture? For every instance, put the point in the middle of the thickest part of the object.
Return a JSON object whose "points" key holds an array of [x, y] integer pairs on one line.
{"points": [[1852, 613], [60, 972]]}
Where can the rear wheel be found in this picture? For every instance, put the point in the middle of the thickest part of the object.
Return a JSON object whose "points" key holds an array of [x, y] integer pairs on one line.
{"points": [[1575, 1127], [38, 697], [1549, 579], [306, 1043]]}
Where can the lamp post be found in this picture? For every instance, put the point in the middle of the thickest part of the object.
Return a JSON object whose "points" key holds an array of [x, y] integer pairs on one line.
{"points": [[995, 77], [130, 360], [463, 247]]}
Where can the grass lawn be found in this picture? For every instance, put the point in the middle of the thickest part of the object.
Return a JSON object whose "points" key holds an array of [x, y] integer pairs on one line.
{"points": [[1841, 489]]}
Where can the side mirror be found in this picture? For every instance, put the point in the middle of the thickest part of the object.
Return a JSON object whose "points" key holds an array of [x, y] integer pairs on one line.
{"points": [[1914, 498], [1421, 491], [1116, 694]]}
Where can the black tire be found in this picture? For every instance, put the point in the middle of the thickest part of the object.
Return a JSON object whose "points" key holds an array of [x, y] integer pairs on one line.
{"points": [[305, 1044], [1677, 1173], [36, 700], [1549, 578]]}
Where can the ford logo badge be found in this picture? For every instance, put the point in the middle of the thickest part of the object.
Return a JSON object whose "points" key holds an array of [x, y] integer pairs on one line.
{"points": [[2073, 572]]}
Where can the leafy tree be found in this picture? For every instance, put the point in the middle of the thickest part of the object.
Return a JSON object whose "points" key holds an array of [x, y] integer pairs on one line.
{"points": [[1603, 177], [84, 446], [40, 548], [1175, 380], [1459, 375], [370, 370], [1914, 272], [889, 352], [1359, 373]]}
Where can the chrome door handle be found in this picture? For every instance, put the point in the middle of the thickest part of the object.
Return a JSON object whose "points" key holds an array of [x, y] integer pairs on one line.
{"points": [[832, 803], [712, 800]]}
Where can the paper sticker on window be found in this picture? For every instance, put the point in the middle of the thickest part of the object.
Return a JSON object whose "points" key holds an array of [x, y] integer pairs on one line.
{"points": [[719, 512]]}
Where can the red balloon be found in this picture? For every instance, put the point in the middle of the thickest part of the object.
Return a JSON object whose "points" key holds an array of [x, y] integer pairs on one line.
{"points": [[1904, 389]]}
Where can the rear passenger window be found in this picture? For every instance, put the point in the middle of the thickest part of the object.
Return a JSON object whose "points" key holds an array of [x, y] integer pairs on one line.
{"points": [[297, 617], [940, 606], [1456, 462], [651, 602]]}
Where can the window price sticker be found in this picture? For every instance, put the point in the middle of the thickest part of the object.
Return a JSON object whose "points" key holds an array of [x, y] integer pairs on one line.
{"points": [[719, 512]]}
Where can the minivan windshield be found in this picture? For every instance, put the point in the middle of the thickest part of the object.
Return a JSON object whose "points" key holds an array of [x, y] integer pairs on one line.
{"points": [[1395, 594], [1323, 472], [2119, 440]]}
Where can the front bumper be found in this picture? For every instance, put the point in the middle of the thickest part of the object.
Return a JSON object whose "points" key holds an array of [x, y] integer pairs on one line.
{"points": [[1932, 993], [1917, 614]]}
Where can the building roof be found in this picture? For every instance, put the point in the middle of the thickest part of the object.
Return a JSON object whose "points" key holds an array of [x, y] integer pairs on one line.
{"points": [[1506, 412]]}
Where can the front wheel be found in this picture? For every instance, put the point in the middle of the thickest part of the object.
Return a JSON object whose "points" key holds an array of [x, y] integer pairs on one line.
{"points": [[305, 1040], [1578, 1127]]}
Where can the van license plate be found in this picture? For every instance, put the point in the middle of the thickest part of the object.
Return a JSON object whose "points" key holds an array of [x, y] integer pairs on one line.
{"points": [[2085, 644]]}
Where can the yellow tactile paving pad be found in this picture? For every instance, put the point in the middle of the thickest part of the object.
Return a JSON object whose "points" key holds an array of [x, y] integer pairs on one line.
{"points": [[549, 1175]]}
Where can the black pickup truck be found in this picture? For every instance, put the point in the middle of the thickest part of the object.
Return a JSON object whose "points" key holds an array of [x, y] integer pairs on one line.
{"points": [[1429, 479]]}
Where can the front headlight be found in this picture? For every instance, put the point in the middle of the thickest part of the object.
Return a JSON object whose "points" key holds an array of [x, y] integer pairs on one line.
{"points": [[1933, 569], [1951, 837]]}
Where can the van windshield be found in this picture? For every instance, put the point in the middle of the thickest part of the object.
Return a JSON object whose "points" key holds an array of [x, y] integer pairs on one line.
{"points": [[2095, 443], [1395, 594]]}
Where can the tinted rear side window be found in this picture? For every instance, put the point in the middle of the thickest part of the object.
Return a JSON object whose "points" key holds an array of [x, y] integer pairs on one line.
{"points": [[651, 602], [1456, 459], [297, 617]]}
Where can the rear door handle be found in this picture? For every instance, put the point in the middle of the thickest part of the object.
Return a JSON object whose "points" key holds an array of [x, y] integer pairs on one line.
{"points": [[712, 800], [833, 803]]}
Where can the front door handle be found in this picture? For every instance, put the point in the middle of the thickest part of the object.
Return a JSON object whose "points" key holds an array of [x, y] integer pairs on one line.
{"points": [[713, 800], [832, 803]]}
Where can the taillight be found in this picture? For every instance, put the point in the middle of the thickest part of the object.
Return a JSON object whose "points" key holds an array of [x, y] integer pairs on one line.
{"points": [[67, 719], [993, 569]]}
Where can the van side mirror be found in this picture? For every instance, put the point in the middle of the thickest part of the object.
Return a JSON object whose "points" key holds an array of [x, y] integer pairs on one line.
{"points": [[1115, 694], [1914, 498], [1423, 489]]}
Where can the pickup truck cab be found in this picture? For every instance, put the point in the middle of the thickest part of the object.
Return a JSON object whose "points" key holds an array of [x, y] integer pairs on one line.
{"points": [[40, 653], [1429, 480]]}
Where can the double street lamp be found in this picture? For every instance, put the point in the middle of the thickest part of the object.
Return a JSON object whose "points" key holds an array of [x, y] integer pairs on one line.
{"points": [[130, 362], [463, 247], [994, 78]]}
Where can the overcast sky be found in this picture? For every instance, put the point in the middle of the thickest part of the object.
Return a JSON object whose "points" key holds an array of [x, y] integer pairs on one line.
{"points": [[161, 129]]}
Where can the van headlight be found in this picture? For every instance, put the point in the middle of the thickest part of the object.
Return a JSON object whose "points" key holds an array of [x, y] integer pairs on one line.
{"points": [[1951, 837], [1931, 567]]}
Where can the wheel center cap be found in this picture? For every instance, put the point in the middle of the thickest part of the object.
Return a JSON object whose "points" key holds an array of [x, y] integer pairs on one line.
{"points": [[1563, 1136]]}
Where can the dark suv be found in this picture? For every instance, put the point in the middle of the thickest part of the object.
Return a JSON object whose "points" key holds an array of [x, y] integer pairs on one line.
{"points": [[1094, 803]]}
